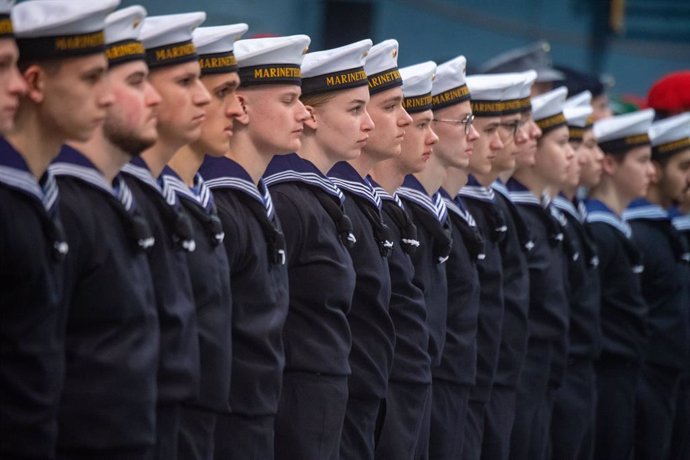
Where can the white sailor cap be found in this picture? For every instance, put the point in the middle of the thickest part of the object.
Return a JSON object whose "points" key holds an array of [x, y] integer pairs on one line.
{"points": [[535, 56], [335, 69], [624, 132], [271, 60], [513, 99], [488, 92], [215, 45], [525, 96], [6, 29], [168, 38], [122, 29], [49, 29], [417, 83], [547, 109], [582, 99], [381, 66], [578, 113], [449, 86], [670, 136]]}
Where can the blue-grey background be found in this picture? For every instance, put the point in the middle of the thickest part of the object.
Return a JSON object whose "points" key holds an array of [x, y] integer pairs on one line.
{"points": [[655, 40]]}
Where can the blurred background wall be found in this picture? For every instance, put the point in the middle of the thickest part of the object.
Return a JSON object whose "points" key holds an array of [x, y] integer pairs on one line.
{"points": [[632, 41]]}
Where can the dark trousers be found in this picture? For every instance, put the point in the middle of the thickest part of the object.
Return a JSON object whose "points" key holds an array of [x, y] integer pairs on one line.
{"points": [[196, 438], [529, 439], [167, 430], [615, 424], [405, 432], [680, 443], [574, 413], [657, 393], [448, 416], [244, 437], [362, 427], [310, 416], [474, 430], [498, 423]]}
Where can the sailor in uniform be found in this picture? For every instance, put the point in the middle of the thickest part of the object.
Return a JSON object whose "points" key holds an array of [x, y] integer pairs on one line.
{"points": [[405, 432], [317, 235], [108, 286], [664, 285], [519, 134], [373, 334], [548, 306], [171, 58], [60, 106], [455, 374], [627, 171], [273, 122], [572, 421], [208, 263], [479, 198]]}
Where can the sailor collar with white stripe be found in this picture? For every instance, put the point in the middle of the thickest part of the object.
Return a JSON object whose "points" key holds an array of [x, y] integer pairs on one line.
{"points": [[562, 203], [414, 191], [457, 207], [138, 169], [384, 195], [15, 173], [599, 212], [680, 221], [293, 168], [501, 188], [642, 209], [519, 194], [72, 163], [200, 194], [347, 178], [225, 173], [475, 191]]}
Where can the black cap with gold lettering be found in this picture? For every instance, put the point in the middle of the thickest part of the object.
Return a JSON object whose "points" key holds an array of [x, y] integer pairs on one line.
{"points": [[168, 38], [122, 29], [335, 69], [271, 60], [54, 29], [214, 45]]}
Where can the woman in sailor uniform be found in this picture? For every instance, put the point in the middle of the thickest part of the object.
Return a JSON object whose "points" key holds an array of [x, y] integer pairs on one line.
{"points": [[317, 237]]}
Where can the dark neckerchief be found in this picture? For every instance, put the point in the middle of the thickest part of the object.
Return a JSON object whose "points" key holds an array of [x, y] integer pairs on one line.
{"points": [[368, 201], [178, 221], [466, 224], [597, 211], [72, 163], [200, 198], [224, 173], [15, 174], [292, 168], [553, 221], [398, 214], [431, 213], [523, 233], [644, 210]]}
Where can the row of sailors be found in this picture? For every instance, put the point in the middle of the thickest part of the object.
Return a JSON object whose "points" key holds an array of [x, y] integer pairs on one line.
{"points": [[195, 291]]}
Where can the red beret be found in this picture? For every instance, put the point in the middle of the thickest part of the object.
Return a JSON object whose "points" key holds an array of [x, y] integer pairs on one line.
{"points": [[671, 93]]}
